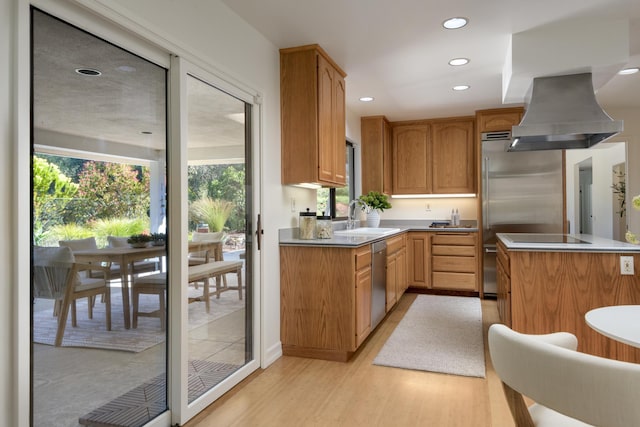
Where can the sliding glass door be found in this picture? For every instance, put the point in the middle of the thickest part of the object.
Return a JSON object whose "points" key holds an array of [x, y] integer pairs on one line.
{"points": [[99, 335], [219, 343]]}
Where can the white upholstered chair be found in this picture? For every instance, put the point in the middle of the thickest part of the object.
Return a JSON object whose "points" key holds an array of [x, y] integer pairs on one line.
{"points": [[55, 276], [570, 388]]}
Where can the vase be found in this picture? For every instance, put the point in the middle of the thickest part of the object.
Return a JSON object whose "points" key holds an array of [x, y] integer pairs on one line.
{"points": [[373, 218]]}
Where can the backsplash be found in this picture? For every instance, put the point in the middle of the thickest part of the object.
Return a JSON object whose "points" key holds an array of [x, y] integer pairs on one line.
{"points": [[433, 209]]}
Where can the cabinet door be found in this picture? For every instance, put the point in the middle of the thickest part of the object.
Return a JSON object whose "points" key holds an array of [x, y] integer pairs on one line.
{"points": [[326, 128], [339, 131], [411, 159], [453, 157], [499, 119], [402, 283], [387, 158], [418, 253], [391, 281], [363, 304]]}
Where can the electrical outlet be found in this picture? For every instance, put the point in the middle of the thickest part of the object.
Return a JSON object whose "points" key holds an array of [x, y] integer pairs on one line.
{"points": [[626, 265], [293, 204]]}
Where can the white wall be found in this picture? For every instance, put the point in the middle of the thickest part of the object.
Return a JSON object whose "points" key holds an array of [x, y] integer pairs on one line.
{"points": [[604, 156], [631, 134]]}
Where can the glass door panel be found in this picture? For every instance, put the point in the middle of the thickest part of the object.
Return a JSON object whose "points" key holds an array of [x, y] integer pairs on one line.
{"points": [[219, 259], [98, 179]]}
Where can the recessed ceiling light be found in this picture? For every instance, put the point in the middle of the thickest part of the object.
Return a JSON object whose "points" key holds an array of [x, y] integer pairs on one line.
{"points": [[455, 23], [628, 71], [126, 68], [458, 61], [461, 87], [88, 72], [367, 99]]}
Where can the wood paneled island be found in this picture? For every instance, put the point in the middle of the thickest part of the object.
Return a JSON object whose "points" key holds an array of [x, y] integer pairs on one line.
{"points": [[546, 287]]}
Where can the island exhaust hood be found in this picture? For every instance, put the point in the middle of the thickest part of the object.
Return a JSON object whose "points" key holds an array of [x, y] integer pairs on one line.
{"points": [[563, 113]]}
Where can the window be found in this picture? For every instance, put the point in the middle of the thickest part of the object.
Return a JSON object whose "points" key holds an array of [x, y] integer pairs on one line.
{"points": [[335, 201]]}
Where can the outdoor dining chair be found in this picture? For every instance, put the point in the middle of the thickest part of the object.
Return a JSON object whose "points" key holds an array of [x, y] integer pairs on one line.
{"points": [[56, 276]]}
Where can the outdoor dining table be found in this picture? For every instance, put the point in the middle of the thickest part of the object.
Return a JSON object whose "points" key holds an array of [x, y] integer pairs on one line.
{"points": [[126, 256]]}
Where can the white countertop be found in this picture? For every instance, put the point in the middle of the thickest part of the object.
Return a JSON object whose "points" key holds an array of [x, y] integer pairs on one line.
{"points": [[589, 243], [290, 236]]}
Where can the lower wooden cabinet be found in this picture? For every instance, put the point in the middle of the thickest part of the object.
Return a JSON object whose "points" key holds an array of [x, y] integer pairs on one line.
{"points": [[418, 248], [443, 260], [454, 261], [396, 269], [325, 300]]}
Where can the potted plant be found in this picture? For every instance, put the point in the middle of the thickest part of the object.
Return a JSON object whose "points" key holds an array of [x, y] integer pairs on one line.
{"points": [[139, 240], [630, 236], [158, 239], [373, 203]]}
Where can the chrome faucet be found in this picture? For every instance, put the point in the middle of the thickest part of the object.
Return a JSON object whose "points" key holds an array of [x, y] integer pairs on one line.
{"points": [[351, 220]]}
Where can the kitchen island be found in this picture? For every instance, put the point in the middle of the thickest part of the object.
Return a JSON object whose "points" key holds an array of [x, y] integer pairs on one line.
{"points": [[548, 282]]}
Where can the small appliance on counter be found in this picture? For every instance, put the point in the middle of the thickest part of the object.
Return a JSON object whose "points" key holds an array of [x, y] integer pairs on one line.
{"points": [[307, 225]]}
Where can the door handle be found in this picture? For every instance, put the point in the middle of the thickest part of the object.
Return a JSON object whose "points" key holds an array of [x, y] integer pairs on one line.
{"points": [[259, 232], [490, 250]]}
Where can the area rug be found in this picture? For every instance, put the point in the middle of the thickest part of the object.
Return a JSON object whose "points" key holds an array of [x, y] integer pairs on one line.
{"points": [[92, 333], [438, 334]]}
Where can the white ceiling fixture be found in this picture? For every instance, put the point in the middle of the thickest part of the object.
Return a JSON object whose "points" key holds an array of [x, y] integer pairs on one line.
{"points": [[367, 98], [456, 62], [627, 71], [455, 23], [461, 87]]}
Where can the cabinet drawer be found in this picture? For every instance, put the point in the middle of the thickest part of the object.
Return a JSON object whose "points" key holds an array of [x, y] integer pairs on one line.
{"points": [[363, 257], [453, 264], [462, 281], [453, 250], [394, 244], [467, 239]]}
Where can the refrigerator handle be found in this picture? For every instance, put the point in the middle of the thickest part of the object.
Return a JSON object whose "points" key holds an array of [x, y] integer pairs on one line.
{"points": [[486, 198]]}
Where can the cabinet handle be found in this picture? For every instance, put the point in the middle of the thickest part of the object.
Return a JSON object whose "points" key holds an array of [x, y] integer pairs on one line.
{"points": [[491, 250]]}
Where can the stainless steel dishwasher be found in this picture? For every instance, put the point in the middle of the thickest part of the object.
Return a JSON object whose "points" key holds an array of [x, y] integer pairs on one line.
{"points": [[378, 281]]}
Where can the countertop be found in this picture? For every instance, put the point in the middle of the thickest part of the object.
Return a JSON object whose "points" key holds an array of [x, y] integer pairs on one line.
{"points": [[589, 243], [289, 236]]}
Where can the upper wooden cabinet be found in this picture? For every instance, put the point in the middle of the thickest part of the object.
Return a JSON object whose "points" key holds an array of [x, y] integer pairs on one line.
{"points": [[377, 157], [312, 103], [412, 159], [434, 157], [498, 119], [453, 156]]}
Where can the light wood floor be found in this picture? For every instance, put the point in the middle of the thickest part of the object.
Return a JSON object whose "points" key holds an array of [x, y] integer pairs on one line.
{"points": [[305, 392]]}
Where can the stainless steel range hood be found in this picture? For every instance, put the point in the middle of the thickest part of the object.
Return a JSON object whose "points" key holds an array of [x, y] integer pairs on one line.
{"points": [[563, 114]]}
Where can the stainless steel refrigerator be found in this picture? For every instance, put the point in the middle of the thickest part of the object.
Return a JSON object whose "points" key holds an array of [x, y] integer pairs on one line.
{"points": [[521, 193]]}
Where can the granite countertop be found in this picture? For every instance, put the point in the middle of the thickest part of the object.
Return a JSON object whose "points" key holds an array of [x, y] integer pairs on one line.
{"points": [[563, 243], [289, 236]]}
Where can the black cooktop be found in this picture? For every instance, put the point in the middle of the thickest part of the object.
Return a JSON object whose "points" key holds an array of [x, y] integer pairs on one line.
{"points": [[544, 238]]}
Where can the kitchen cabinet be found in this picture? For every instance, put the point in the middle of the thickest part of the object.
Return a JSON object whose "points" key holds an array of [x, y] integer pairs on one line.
{"points": [[325, 300], [396, 269], [454, 261], [376, 155], [412, 159], [498, 119], [418, 248], [434, 156], [453, 156], [312, 103]]}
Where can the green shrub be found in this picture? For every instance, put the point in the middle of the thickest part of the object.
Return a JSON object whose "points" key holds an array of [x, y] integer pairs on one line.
{"points": [[119, 227], [212, 212]]}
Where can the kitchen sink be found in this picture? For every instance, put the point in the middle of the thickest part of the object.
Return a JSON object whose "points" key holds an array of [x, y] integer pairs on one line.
{"points": [[367, 231]]}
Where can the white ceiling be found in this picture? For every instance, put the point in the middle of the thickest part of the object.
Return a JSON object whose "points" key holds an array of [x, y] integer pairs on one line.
{"points": [[398, 52]]}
